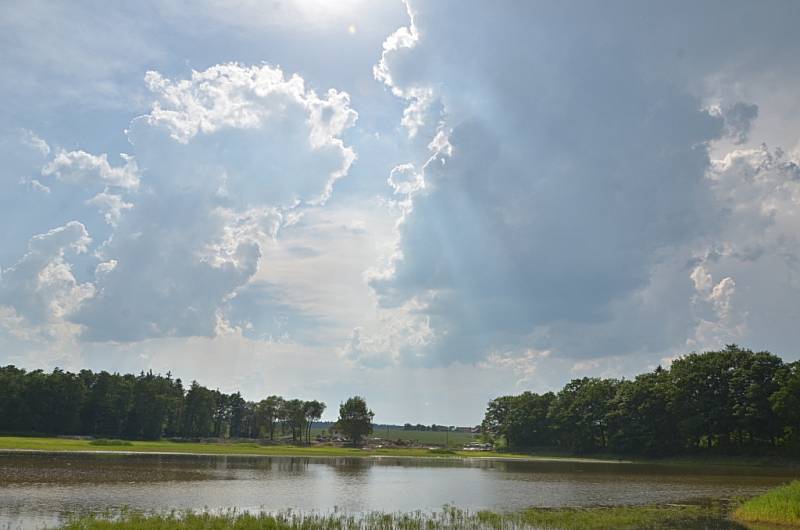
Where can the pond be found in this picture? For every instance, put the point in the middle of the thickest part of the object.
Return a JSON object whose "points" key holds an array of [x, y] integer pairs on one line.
{"points": [[41, 489]]}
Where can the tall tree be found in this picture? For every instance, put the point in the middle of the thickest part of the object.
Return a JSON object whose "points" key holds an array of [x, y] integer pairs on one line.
{"points": [[237, 407], [313, 411], [786, 401], [640, 419], [198, 416], [355, 419], [269, 411], [295, 418], [580, 414]]}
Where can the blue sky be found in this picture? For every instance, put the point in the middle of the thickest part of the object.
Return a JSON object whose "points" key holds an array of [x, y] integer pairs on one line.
{"points": [[427, 203]]}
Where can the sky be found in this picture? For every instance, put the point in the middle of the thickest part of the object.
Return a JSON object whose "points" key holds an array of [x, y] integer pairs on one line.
{"points": [[429, 203]]}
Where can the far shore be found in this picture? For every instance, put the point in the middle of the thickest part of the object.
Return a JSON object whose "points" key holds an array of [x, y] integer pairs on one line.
{"points": [[23, 444]]}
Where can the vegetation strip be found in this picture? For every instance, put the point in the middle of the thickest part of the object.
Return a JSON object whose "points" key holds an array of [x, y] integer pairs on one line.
{"points": [[777, 506], [22, 443], [618, 518]]}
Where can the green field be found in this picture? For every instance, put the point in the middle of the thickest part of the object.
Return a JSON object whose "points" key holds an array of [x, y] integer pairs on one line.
{"points": [[619, 518], [453, 439], [231, 448]]}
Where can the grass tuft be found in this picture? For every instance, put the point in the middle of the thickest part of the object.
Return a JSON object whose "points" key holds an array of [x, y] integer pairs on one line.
{"points": [[777, 506]]}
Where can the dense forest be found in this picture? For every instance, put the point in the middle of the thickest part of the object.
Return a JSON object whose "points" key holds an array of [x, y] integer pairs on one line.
{"points": [[733, 401], [146, 406]]}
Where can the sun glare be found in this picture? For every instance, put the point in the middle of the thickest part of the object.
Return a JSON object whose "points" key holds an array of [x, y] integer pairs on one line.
{"points": [[329, 8]]}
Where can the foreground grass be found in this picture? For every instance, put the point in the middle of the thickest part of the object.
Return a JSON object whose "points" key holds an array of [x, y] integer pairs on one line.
{"points": [[233, 448], [618, 518], [777, 506], [625, 517]]}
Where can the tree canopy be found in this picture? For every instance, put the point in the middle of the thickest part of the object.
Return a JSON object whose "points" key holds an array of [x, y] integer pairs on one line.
{"points": [[147, 406], [355, 419], [729, 401]]}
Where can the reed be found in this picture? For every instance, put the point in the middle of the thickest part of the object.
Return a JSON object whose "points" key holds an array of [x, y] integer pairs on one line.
{"points": [[449, 518]]}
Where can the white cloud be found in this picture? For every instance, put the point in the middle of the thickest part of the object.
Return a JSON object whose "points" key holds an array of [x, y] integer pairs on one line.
{"points": [[110, 205], [33, 140], [80, 167], [231, 156], [756, 252], [524, 365], [41, 287], [401, 334]]}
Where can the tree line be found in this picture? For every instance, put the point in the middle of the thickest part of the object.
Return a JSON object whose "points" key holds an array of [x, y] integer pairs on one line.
{"points": [[145, 406], [733, 401]]}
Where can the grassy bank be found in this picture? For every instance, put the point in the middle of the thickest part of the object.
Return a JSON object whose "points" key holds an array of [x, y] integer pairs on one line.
{"points": [[778, 506], [233, 448], [49, 444], [619, 518]]}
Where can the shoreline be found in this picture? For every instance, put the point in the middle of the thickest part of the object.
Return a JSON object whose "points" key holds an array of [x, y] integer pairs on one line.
{"points": [[43, 445], [23, 444], [379, 456]]}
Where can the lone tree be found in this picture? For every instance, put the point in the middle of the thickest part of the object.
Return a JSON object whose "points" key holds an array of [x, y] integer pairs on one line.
{"points": [[355, 419]]}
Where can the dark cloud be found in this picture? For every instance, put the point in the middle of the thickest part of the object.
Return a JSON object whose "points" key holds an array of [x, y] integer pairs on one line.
{"points": [[577, 172]]}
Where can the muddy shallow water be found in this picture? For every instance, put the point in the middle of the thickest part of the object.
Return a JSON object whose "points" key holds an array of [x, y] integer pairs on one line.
{"points": [[38, 489]]}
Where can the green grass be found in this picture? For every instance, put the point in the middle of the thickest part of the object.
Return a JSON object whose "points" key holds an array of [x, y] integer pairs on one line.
{"points": [[777, 506], [238, 448], [452, 439], [110, 443], [450, 518]]}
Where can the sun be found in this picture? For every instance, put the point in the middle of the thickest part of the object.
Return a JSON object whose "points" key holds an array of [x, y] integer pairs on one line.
{"points": [[351, 29]]}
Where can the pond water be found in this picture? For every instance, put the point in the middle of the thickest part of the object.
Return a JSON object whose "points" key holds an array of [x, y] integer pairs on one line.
{"points": [[38, 489]]}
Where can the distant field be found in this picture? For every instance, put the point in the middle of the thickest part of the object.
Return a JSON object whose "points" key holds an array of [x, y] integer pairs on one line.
{"points": [[227, 448], [454, 439]]}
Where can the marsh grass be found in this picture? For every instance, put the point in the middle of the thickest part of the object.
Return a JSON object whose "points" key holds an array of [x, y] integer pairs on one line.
{"points": [[777, 506], [449, 518], [110, 443]]}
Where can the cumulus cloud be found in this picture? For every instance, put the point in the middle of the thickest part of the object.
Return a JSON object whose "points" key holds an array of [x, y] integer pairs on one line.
{"points": [[236, 97], [80, 167], [717, 323], [110, 205], [400, 335], [756, 252], [739, 120], [531, 220], [41, 287], [231, 156], [222, 161], [574, 189]]}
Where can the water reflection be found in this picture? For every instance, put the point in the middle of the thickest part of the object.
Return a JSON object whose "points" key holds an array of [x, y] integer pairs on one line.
{"points": [[37, 489]]}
